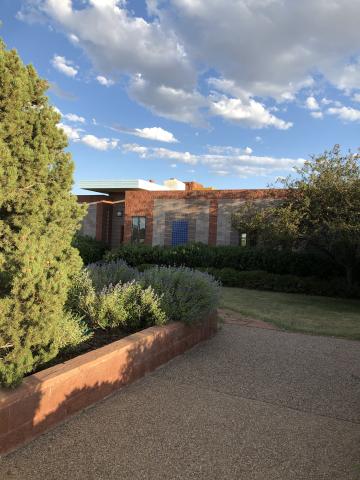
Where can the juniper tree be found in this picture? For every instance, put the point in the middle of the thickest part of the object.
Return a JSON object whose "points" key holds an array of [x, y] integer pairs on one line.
{"points": [[38, 219]]}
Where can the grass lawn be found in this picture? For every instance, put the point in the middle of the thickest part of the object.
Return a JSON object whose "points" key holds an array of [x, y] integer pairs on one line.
{"points": [[301, 313]]}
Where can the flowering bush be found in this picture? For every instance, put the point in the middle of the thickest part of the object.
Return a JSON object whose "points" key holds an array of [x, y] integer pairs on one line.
{"points": [[186, 295], [114, 294]]}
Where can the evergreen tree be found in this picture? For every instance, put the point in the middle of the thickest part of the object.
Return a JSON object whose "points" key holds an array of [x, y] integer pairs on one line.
{"points": [[38, 219], [321, 211]]}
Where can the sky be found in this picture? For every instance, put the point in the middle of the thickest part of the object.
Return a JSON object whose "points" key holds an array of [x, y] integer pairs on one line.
{"points": [[230, 93]]}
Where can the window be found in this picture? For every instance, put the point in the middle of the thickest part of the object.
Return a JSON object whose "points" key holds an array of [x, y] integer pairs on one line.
{"points": [[138, 229], [180, 229], [243, 240]]}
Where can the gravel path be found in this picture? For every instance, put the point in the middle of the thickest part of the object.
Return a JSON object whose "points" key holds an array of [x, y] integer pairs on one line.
{"points": [[251, 404]]}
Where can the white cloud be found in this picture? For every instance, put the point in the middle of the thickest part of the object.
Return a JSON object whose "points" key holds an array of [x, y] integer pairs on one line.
{"points": [[228, 150], [107, 82], [184, 157], [266, 48], [291, 39], [169, 102], [356, 97], [249, 113], [135, 148], [312, 104], [156, 133], [72, 117], [71, 132], [78, 135], [118, 42], [317, 114], [173, 165], [346, 78], [64, 66], [99, 143], [149, 133], [73, 38], [228, 160], [347, 114]]}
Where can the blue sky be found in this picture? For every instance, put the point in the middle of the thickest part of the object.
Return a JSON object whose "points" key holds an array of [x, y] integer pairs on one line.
{"points": [[232, 94]]}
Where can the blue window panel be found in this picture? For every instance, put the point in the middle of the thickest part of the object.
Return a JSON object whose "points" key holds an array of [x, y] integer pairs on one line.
{"points": [[180, 230]]}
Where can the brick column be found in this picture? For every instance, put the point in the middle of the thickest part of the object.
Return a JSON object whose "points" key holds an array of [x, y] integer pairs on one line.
{"points": [[213, 213]]}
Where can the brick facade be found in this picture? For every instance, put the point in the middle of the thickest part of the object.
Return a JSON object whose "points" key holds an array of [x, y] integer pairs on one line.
{"points": [[208, 213]]}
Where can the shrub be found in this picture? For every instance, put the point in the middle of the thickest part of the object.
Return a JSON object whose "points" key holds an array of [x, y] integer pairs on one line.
{"points": [[127, 305], [74, 331], [198, 255], [90, 250], [81, 295], [262, 280], [186, 295], [38, 219], [111, 273]]}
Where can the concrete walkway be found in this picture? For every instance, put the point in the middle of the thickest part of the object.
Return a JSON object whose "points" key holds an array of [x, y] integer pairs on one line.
{"points": [[249, 404]]}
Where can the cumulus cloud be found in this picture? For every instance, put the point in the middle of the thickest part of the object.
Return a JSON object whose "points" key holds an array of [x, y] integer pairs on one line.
{"points": [[135, 148], [169, 102], [64, 66], [347, 114], [277, 44], [79, 135], [317, 114], [348, 77], [270, 49], [71, 132], [107, 82], [251, 114], [240, 108], [228, 150], [311, 103], [99, 143], [118, 42], [227, 160], [72, 117], [149, 133]]}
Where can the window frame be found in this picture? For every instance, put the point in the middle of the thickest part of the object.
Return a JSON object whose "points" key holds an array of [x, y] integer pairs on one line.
{"points": [[138, 229]]}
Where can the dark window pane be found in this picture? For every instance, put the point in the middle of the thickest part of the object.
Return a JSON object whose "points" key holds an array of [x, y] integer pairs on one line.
{"points": [[138, 229]]}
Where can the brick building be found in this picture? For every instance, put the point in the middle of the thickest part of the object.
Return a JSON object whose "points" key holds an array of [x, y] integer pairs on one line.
{"points": [[174, 213]]}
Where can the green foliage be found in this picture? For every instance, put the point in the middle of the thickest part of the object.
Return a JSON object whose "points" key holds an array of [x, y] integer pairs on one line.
{"points": [[90, 250], [126, 305], [261, 280], [186, 295], [157, 295], [74, 331], [111, 273], [321, 211], [198, 255], [38, 219]]}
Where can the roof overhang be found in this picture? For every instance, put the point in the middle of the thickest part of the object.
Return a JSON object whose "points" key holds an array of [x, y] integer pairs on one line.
{"points": [[113, 186]]}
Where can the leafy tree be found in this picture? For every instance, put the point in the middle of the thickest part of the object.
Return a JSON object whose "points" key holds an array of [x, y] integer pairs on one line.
{"points": [[38, 219], [321, 211]]}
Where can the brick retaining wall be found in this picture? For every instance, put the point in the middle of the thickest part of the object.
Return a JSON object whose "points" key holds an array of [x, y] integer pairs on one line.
{"points": [[49, 397]]}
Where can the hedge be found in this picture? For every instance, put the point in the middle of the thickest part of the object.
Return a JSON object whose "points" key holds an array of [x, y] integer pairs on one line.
{"points": [[90, 250], [198, 255], [260, 280]]}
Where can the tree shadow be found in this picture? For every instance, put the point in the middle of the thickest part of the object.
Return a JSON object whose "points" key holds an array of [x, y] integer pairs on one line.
{"points": [[50, 396]]}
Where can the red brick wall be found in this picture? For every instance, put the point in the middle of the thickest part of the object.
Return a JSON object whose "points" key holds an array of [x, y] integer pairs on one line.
{"points": [[141, 203], [51, 396]]}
